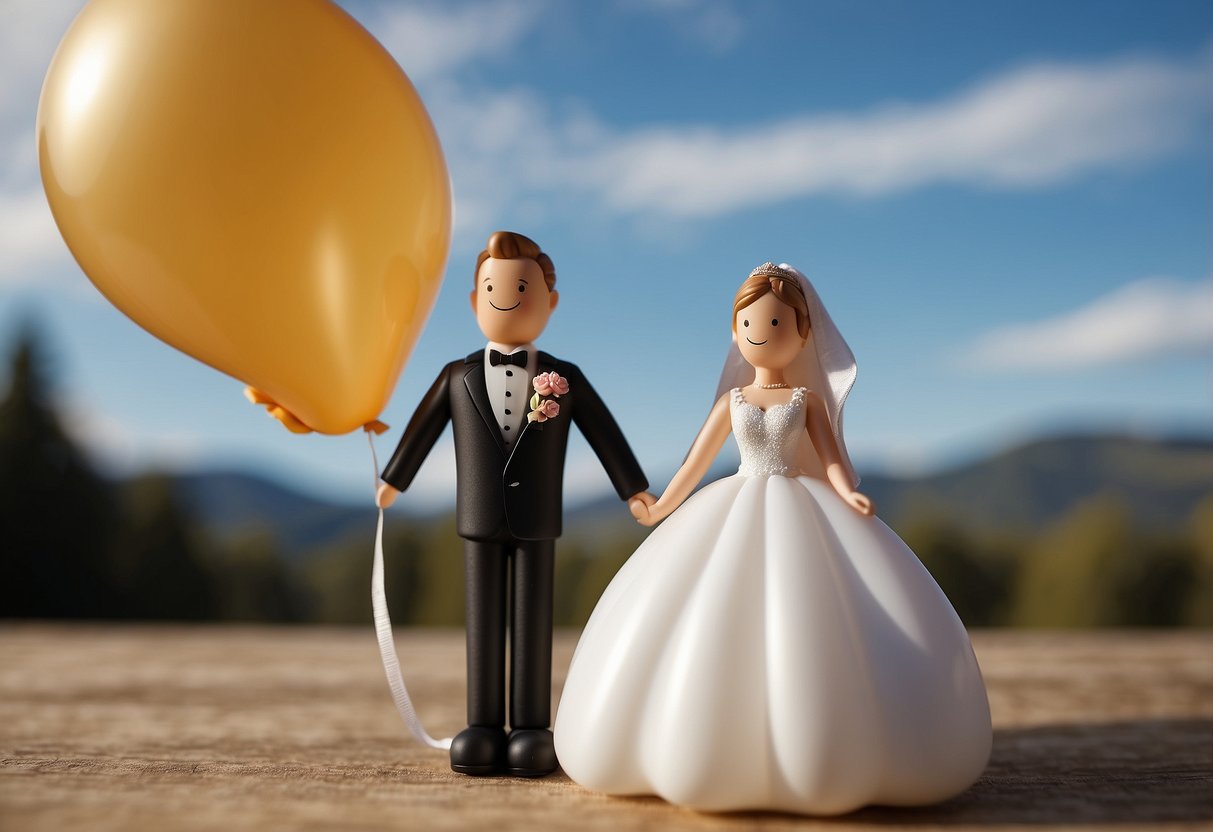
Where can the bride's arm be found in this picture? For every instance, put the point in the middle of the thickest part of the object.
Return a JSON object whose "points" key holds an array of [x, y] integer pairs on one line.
{"points": [[707, 444], [817, 421]]}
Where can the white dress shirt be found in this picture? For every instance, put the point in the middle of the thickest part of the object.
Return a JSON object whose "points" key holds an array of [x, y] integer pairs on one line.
{"points": [[509, 389]]}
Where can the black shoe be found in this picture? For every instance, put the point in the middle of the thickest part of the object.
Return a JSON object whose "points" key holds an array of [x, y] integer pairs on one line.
{"points": [[531, 752], [479, 750]]}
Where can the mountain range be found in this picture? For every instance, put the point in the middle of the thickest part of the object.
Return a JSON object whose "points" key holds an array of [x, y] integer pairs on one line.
{"points": [[1020, 490]]}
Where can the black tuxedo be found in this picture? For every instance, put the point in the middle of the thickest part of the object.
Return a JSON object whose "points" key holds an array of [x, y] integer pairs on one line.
{"points": [[508, 506]]}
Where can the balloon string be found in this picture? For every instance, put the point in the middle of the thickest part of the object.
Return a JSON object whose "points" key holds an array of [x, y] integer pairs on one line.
{"points": [[383, 631]]}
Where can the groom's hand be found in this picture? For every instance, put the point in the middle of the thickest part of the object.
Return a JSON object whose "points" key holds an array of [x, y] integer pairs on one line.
{"points": [[386, 495]]}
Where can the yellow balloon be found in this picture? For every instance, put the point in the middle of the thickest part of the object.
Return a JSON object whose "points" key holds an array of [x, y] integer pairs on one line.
{"points": [[257, 183]]}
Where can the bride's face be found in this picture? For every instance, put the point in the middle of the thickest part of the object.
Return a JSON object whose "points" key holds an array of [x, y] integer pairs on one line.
{"points": [[766, 333]]}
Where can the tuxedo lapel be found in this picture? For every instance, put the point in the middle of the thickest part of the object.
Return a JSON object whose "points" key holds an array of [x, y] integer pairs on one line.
{"points": [[474, 382]]}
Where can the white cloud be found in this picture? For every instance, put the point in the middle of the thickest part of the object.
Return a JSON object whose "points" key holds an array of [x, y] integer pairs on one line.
{"points": [[714, 24], [1152, 318], [29, 239], [512, 151], [433, 41], [1029, 128], [29, 32], [121, 449], [508, 150]]}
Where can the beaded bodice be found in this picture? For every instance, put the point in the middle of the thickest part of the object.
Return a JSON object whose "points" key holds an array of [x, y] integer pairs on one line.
{"points": [[768, 438]]}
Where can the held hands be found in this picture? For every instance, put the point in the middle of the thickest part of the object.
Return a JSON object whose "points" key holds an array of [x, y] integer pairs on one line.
{"points": [[386, 495], [860, 502], [657, 513], [641, 505], [648, 510]]}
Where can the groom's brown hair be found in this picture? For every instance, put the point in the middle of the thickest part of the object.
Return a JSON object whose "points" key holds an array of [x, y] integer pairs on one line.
{"points": [[508, 245]]}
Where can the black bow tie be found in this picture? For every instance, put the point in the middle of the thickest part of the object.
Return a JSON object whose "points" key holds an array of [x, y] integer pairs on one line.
{"points": [[518, 359]]}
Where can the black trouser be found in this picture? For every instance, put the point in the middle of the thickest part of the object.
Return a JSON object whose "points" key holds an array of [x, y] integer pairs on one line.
{"points": [[524, 569]]}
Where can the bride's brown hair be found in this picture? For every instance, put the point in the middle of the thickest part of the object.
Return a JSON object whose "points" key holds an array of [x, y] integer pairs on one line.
{"points": [[767, 278]]}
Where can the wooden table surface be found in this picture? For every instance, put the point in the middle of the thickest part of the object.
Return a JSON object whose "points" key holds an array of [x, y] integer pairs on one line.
{"points": [[132, 728]]}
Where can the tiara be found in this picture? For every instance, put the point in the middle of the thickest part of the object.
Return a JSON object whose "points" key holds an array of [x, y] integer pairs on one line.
{"points": [[769, 269]]}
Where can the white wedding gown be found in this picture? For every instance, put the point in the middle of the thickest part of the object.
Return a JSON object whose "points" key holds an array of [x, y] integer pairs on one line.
{"points": [[768, 647]]}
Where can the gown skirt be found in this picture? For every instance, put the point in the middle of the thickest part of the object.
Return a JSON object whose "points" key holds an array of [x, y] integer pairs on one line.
{"points": [[768, 647]]}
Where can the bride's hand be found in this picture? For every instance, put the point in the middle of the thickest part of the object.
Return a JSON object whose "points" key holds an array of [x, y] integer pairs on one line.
{"points": [[639, 504], [654, 514], [861, 503], [639, 501]]}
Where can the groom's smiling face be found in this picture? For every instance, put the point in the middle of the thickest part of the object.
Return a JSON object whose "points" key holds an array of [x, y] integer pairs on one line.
{"points": [[511, 300]]}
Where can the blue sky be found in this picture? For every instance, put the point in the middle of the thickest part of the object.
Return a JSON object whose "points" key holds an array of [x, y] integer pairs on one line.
{"points": [[1005, 206]]}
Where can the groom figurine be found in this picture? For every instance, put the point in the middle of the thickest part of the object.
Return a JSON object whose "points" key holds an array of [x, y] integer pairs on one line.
{"points": [[509, 465]]}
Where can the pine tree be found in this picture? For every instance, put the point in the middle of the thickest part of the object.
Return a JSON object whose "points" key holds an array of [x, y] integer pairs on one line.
{"points": [[58, 517], [164, 577]]}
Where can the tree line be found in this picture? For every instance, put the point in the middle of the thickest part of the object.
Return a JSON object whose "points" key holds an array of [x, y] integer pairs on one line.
{"points": [[75, 544]]}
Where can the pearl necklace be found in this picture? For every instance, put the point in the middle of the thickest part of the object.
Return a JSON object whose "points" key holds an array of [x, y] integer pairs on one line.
{"points": [[777, 386]]}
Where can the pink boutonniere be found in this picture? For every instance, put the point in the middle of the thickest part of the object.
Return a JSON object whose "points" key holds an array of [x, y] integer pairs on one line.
{"points": [[547, 384], [551, 384]]}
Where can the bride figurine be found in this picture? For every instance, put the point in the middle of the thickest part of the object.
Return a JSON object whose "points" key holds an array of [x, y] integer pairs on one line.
{"points": [[773, 645]]}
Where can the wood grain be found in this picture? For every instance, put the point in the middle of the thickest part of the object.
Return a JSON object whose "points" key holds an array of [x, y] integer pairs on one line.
{"points": [[231, 728]]}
